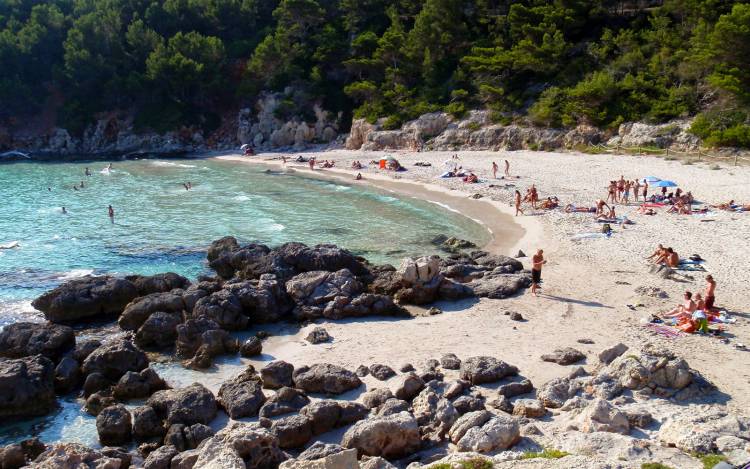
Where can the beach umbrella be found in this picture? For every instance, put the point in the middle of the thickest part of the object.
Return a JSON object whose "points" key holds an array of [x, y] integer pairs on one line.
{"points": [[651, 179], [245, 146], [664, 184]]}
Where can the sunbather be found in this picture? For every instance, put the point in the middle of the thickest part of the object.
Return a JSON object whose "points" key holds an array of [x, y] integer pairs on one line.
{"points": [[685, 310], [572, 208], [669, 258], [659, 251]]}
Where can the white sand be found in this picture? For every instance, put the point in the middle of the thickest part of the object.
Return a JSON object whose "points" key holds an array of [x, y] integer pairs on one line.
{"points": [[581, 298]]}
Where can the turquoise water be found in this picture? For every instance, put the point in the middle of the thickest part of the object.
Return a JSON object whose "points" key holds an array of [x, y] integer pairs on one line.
{"points": [[159, 226]]}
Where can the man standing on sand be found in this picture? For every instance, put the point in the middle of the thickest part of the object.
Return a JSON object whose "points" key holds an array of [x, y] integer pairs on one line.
{"points": [[536, 271], [710, 290], [494, 170], [507, 168]]}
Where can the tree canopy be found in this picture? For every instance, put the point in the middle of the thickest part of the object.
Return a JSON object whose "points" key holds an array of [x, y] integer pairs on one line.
{"points": [[547, 63]]}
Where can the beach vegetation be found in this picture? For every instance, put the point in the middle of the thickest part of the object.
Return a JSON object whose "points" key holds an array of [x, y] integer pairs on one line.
{"points": [[555, 64], [547, 453], [655, 465], [710, 460]]}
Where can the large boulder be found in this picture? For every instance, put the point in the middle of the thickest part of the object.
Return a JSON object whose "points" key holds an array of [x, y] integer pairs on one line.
{"points": [[659, 370], [225, 308], [264, 300], [159, 330], [325, 378], [293, 431], [479, 370], [67, 375], [277, 374], [22, 339], [157, 283], [86, 298], [467, 421], [18, 455], [317, 291], [326, 415], [243, 395], [160, 458], [557, 391], [564, 356], [286, 400], [146, 423], [376, 397], [407, 386], [703, 429], [134, 385], [420, 279], [26, 387], [392, 437], [184, 437], [114, 358], [138, 310], [189, 405], [498, 433], [113, 424], [75, 456], [499, 285], [240, 446], [601, 416], [608, 355]]}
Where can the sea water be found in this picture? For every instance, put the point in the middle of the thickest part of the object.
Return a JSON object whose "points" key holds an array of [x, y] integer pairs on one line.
{"points": [[159, 226]]}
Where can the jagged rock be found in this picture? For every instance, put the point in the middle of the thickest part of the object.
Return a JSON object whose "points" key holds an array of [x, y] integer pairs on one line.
{"points": [[138, 310], [293, 431], [242, 396], [146, 423], [454, 389], [555, 392], [392, 406], [161, 458], [498, 432], [134, 385], [320, 450], [376, 397], [158, 283], [699, 431], [673, 134], [530, 408], [325, 378], [159, 330], [67, 375], [393, 436], [326, 415], [516, 316], [277, 374], [189, 405], [95, 382], [285, 400], [98, 401], [224, 308], [74, 456], [113, 424], [84, 348], [499, 285], [362, 371], [114, 358], [18, 455], [501, 403], [407, 386], [185, 437], [251, 347], [86, 298], [381, 372], [466, 404], [196, 333], [606, 356], [434, 412], [450, 361], [564, 356], [185, 459], [23, 339], [601, 416], [318, 335], [26, 387], [240, 446], [516, 388], [375, 463], [420, 279], [344, 459], [479, 370], [582, 135], [358, 134], [659, 370], [639, 418]]}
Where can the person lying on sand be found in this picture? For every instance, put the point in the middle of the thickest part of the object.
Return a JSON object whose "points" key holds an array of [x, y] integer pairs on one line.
{"points": [[684, 310], [646, 210], [570, 208], [356, 165]]}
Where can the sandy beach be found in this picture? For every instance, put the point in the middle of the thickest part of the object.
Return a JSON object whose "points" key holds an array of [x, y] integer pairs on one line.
{"points": [[588, 283]]}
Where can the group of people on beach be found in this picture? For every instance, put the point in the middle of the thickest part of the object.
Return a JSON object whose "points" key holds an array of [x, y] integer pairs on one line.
{"points": [[693, 313]]}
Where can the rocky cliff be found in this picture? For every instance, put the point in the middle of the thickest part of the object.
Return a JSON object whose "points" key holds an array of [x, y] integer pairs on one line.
{"points": [[440, 131]]}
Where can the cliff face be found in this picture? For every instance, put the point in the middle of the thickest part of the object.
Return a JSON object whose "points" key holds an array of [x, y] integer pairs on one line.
{"points": [[440, 131]]}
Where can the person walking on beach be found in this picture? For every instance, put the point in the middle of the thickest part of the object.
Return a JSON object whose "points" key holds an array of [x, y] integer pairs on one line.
{"points": [[710, 290], [536, 271], [494, 170], [518, 202], [111, 213], [507, 168]]}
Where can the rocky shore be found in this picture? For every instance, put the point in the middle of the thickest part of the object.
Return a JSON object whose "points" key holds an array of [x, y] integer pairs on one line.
{"points": [[642, 404]]}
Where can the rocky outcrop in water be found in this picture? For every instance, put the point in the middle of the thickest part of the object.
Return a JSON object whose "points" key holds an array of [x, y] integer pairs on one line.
{"points": [[26, 387], [22, 339]]}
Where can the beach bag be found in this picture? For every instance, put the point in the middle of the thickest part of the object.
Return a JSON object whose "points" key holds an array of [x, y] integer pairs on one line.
{"points": [[606, 228]]}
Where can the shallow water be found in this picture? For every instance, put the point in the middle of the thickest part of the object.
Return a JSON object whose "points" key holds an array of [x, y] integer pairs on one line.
{"points": [[159, 226]]}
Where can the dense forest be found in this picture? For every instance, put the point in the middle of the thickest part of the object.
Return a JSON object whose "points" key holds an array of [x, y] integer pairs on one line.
{"points": [[548, 63]]}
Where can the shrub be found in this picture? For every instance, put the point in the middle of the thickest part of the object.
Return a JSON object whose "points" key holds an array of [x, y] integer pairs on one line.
{"points": [[654, 465], [456, 109], [710, 460], [476, 463], [546, 454]]}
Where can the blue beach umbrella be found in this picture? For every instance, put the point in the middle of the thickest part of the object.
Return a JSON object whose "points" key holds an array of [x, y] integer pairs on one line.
{"points": [[664, 184], [651, 179]]}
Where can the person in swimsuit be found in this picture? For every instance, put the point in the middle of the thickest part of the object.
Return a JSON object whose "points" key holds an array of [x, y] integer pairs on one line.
{"points": [[494, 170], [636, 189], [536, 271], [111, 213], [507, 168], [311, 162], [710, 290], [359, 177], [534, 196], [518, 203], [626, 193], [659, 251], [620, 187], [87, 172], [65, 212], [686, 309], [600, 204], [612, 192], [645, 189]]}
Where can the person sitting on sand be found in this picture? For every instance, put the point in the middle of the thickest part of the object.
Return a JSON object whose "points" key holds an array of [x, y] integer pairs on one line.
{"points": [[518, 203], [669, 258], [656, 254], [359, 177], [549, 203], [684, 310], [600, 204], [471, 178], [570, 208]]}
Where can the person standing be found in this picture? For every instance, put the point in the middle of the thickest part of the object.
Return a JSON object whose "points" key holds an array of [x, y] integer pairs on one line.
{"points": [[645, 190], [111, 213], [507, 168], [536, 270], [710, 291], [518, 203], [494, 170]]}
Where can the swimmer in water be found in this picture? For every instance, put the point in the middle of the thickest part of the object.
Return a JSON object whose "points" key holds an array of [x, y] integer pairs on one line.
{"points": [[49, 189], [185, 186], [81, 184], [190, 185], [65, 212], [111, 213], [87, 172], [75, 188], [109, 167]]}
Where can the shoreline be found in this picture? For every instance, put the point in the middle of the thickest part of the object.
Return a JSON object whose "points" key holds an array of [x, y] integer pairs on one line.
{"points": [[506, 233]]}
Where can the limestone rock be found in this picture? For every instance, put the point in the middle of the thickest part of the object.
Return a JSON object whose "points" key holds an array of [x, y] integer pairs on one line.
{"points": [[325, 378], [564, 356], [277, 374], [479, 370], [499, 432], [189, 405], [251, 347], [26, 387], [318, 335], [407, 386], [113, 424], [22, 339], [601, 416], [381, 372], [240, 446], [285, 400], [114, 358], [606, 356], [390, 437], [530, 408], [242, 396]]}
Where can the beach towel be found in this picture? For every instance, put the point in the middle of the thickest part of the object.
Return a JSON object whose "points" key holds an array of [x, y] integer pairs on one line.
{"points": [[664, 331], [691, 268]]}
